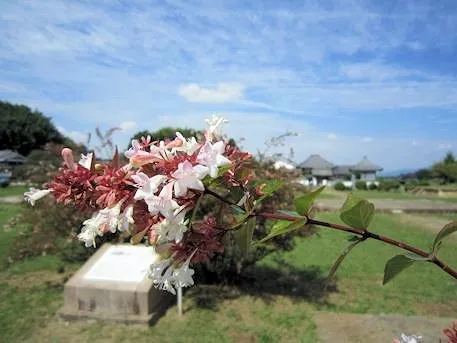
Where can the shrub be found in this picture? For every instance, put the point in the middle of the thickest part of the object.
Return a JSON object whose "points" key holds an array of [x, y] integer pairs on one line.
{"points": [[361, 185], [339, 186], [48, 228], [227, 266], [389, 185], [372, 186]]}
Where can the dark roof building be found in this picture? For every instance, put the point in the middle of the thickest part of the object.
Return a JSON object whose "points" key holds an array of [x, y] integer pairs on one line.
{"points": [[11, 157], [322, 170], [317, 166], [365, 166]]}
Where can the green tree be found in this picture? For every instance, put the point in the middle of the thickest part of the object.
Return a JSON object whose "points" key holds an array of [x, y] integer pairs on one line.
{"points": [[166, 133], [24, 130], [449, 159], [446, 170]]}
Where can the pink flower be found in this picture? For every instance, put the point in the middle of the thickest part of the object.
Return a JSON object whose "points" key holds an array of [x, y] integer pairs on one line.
{"points": [[188, 177], [210, 155], [147, 186], [162, 203]]}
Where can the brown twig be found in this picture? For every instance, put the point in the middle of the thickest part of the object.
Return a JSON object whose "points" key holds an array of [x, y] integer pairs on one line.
{"points": [[363, 233]]}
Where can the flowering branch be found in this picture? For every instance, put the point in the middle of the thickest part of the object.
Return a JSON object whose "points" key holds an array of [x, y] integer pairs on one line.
{"points": [[362, 233], [156, 195]]}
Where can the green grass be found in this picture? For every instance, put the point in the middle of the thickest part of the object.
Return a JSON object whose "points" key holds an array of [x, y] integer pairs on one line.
{"points": [[417, 290], [31, 292], [13, 190], [7, 235]]}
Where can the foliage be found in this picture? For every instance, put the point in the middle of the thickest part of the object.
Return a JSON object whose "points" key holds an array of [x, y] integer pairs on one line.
{"points": [[424, 174], [166, 133], [388, 184], [339, 186], [23, 130], [373, 186], [51, 229], [160, 197], [361, 185]]}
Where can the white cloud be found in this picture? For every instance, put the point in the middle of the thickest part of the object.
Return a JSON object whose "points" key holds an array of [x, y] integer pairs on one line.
{"points": [[446, 146], [367, 139], [77, 136], [224, 92], [332, 136], [127, 125]]}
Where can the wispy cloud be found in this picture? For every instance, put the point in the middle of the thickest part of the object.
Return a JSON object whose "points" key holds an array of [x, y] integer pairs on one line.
{"points": [[224, 92], [336, 67]]}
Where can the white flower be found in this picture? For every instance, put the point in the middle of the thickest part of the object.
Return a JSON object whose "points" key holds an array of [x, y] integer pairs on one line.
{"points": [[210, 155], [188, 177], [86, 160], [189, 146], [126, 219], [108, 219], [172, 228], [146, 186], [182, 276], [162, 203], [136, 146], [161, 151], [161, 274], [410, 339], [215, 126], [166, 277], [35, 194], [90, 230]]}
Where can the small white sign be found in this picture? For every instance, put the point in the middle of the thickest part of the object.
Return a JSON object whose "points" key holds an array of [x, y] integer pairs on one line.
{"points": [[123, 263]]}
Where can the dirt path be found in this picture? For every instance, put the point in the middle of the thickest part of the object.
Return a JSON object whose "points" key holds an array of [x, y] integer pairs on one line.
{"points": [[348, 327], [12, 199], [393, 205]]}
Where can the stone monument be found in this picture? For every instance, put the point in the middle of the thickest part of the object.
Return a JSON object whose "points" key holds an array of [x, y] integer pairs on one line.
{"points": [[113, 285]]}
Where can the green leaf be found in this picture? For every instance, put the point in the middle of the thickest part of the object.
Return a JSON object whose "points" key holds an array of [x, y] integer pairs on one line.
{"points": [[304, 203], [237, 210], [289, 213], [357, 212], [243, 236], [342, 257], [445, 231], [395, 266], [270, 187], [281, 227]]}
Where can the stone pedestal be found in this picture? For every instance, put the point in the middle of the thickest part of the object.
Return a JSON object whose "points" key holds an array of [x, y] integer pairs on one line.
{"points": [[113, 285]]}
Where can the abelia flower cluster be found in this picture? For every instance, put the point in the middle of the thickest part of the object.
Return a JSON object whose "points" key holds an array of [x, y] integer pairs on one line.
{"points": [[153, 197]]}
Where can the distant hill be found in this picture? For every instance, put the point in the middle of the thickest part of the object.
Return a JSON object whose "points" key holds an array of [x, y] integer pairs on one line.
{"points": [[396, 173]]}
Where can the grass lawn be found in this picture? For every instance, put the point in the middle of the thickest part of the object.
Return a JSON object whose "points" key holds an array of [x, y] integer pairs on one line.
{"points": [[13, 190], [279, 307]]}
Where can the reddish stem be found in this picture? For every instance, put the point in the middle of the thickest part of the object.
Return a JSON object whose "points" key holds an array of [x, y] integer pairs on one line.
{"points": [[363, 233]]}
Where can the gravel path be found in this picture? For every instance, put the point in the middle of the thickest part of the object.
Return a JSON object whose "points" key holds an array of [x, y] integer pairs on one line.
{"points": [[13, 199], [391, 205], [348, 327]]}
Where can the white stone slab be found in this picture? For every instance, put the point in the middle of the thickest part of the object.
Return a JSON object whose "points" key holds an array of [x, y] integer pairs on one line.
{"points": [[113, 285], [123, 264]]}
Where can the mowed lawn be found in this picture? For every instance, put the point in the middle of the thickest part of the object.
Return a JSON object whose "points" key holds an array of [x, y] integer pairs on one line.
{"points": [[12, 190], [31, 293]]}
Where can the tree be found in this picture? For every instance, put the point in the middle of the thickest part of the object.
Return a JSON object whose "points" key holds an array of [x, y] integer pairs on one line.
{"points": [[449, 159], [166, 133], [446, 170], [24, 130]]}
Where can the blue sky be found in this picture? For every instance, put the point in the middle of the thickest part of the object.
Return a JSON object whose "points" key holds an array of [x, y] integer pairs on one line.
{"points": [[352, 78]]}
